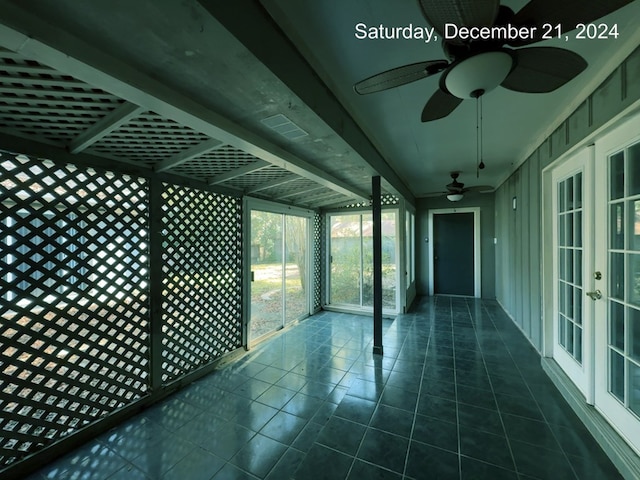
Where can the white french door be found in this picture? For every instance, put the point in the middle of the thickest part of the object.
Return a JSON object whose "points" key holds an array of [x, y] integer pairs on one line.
{"points": [[617, 256], [572, 267]]}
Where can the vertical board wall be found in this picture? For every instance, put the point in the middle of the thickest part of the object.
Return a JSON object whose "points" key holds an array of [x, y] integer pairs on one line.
{"points": [[519, 233]]}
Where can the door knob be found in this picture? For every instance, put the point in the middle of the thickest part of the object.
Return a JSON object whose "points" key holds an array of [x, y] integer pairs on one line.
{"points": [[595, 295]]}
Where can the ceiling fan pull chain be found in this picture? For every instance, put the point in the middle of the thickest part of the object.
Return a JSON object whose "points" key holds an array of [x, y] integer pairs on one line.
{"points": [[481, 165], [477, 136]]}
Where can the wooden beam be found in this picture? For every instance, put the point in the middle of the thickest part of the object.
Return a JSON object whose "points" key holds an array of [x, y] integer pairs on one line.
{"points": [[105, 126], [274, 183], [187, 155], [238, 172]]}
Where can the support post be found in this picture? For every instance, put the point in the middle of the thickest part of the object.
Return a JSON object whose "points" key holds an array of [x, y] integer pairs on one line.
{"points": [[376, 203]]}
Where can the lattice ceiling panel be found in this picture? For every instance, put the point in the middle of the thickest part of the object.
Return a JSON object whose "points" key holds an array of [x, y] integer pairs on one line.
{"points": [[148, 139], [40, 102], [258, 177], [215, 162], [74, 328]]}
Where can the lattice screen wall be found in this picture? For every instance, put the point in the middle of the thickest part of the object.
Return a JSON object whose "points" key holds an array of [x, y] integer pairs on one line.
{"points": [[74, 326], [318, 260], [202, 278], [75, 294]]}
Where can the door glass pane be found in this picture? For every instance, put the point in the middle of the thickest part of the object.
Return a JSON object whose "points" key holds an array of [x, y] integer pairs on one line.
{"points": [[267, 270], [616, 274], [296, 297], [616, 325], [616, 226], [616, 375], [634, 224], [634, 279], [578, 190], [616, 184], [389, 242], [577, 305], [634, 334], [346, 249], [633, 162], [634, 388], [367, 260]]}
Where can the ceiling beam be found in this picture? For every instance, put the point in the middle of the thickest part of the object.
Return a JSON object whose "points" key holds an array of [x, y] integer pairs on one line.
{"points": [[238, 172], [273, 183], [301, 191], [189, 154], [256, 30], [315, 198], [37, 39], [103, 127]]}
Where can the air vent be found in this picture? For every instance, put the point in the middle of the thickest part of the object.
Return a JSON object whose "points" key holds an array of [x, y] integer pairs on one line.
{"points": [[284, 127]]}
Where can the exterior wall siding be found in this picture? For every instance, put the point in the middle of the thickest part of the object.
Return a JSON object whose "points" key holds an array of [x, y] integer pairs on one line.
{"points": [[519, 236]]}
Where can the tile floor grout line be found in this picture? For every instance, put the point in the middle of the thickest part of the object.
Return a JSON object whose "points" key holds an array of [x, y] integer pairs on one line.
{"points": [[546, 422], [493, 392], [415, 409]]}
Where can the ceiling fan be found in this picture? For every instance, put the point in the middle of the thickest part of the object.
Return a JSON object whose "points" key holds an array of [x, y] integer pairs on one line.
{"points": [[476, 66], [456, 190]]}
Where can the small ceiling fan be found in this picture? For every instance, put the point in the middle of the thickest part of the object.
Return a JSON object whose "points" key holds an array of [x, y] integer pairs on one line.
{"points": [[456, 190], [478, 66]]}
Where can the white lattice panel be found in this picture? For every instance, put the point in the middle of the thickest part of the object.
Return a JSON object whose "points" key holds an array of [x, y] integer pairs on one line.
{"points": [[43, 103], [148, 139], [74, 327], [202, 310], [215, 162]]}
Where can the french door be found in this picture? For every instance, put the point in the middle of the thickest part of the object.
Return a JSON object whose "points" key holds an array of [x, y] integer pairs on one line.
{"points": [[596, 275], [617, 312], [572, 266]]}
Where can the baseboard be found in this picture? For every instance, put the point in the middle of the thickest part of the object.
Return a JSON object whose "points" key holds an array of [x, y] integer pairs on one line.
{"points": [[620, 453]]}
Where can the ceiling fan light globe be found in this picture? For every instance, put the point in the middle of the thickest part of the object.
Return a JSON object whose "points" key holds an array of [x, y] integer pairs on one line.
{"points": [[480, 73], [455, 197]]}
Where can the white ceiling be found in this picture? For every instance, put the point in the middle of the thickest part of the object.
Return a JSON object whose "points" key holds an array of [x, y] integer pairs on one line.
{"points": [[423, 154], [201, 76]]}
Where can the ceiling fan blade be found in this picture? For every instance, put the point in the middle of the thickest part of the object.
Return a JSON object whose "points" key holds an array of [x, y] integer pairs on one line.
{"points": [[434, 194], [479, 188], [439, 105], [543, 69], [567, 13], [464, 13], [399, 76]]}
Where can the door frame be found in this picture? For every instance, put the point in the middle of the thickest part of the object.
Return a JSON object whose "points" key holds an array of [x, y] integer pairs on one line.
{"points": [[477, 264]]}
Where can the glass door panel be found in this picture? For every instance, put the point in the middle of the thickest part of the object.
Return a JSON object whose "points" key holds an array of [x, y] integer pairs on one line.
{"points": [[296, 291], [389, 260], [267, 300], [352, 260], [623, 336], [569, 255], [346, 259], [573, 268]]}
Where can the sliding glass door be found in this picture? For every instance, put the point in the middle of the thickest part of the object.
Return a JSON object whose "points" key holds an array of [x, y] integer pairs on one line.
{"points": [[351, 260], [279, 270]]}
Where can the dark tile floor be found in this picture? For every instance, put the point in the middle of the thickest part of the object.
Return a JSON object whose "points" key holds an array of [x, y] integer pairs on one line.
{"points": [[458, 394]]}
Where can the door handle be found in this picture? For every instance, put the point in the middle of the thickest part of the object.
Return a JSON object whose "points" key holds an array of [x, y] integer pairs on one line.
{"points": [[595, 295]]}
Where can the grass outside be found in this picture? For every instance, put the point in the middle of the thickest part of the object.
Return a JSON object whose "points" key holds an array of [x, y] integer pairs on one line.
{"points": [[266, 297]]}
